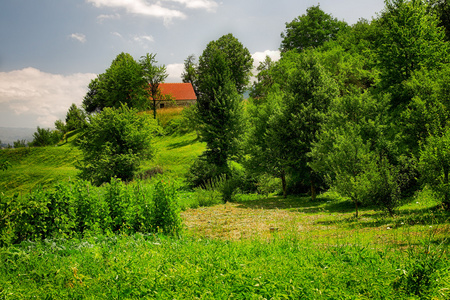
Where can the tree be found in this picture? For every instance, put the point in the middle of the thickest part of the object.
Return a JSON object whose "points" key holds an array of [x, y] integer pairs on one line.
{"points": [[219, 108], [75, 118], [237, 59], [350, 151], [265, 145], [122, 83], [435, 164], [441, 8], [114, 143], [409, 40], [310, 30], [310, 90], [46, 137], [264, 79], [154, 76], [189, 74]]}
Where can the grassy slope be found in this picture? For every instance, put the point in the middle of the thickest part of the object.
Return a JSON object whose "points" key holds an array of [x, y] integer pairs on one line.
{"points": [[37, 166], [47, 165]]}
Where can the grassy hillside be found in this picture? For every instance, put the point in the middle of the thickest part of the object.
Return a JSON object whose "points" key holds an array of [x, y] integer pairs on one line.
{"points": [[37, 166], [47, 165]]}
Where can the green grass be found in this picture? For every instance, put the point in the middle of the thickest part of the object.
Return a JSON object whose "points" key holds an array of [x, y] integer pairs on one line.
{"points": [[254, 248], [175, 153], [152, 267], [31, 167]]}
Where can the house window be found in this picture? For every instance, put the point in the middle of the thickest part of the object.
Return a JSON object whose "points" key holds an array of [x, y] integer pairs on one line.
{"points": [[161, 105]]}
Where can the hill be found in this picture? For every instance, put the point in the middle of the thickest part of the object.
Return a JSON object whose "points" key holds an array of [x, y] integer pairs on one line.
{"points": [[45, 166], [9, 135]]}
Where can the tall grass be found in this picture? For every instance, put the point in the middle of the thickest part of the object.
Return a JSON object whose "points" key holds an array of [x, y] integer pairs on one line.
{"points": [[151, 266]]}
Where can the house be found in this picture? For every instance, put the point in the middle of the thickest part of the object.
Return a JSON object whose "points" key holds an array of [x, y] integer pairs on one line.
{"points": [[176, 94]]}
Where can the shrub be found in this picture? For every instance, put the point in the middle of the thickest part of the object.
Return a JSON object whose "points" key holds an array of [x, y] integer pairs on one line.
{"points": [[114, 143], [46, 137], [78, 208], [166, 213]]}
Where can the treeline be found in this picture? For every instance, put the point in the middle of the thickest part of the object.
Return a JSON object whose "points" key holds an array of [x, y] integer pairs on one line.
{"points": [[362, 109]]}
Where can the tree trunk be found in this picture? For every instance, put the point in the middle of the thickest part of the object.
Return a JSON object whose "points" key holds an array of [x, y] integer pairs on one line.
{"points": [[283, 182], [313, 191]]}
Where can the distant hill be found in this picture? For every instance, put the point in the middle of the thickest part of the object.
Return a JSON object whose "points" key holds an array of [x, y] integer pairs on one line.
{"points": [[9, 135]]}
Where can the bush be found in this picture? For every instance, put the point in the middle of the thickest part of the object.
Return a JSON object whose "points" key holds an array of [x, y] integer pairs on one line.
{"points": [[78, 208], [46, 137], [114, 143], [166, 213]]}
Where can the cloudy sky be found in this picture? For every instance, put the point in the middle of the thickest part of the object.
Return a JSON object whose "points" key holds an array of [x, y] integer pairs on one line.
{"points": [[51, 49]]}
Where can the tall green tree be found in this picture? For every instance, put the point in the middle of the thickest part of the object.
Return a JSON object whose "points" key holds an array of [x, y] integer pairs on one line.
{"points": [[122, 83], [75, 118], [409, 40], [154, 75], [114, 144], [190, 74], [310, 91], [219, 108], [310, 30], [238, 61], [265, 145]]}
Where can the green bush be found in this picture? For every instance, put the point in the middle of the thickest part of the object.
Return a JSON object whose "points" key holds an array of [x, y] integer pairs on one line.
{"points": [[166, 213], [78, 209]]}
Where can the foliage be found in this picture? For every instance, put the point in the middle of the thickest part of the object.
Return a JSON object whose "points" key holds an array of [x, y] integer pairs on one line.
{"points": [[435, 164], [114, 143], [75, 118], [46, 137], [122, 83], [351, 151], [237, 60], [310, 30], [154, 76], [219, 106], [165, 211], [265, 144], [190, 74], [409, 40], [77, 208], [4, 165], [19, 144]]}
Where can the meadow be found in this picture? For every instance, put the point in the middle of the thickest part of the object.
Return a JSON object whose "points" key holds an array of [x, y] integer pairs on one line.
{"points": [[256, 247]]}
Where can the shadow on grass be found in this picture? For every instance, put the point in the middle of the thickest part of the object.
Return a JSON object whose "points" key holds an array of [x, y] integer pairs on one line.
{"points": [[425, 216], [300, 203], [182, 144], [369, 216]]}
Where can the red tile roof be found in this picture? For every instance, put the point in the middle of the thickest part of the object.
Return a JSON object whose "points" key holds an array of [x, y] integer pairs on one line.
{"points": [[179, 91]]}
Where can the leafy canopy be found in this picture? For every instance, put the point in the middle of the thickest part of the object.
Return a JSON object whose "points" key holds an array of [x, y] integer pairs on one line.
{"points": [[114, 143]]}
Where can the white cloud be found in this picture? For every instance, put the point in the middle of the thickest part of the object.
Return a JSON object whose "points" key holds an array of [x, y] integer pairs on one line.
{"points": [[30, 94], [259, 57], [143, 38], [117, 34], [102, 18], [79, 37], [174, 71], [141, 7], [199, 4]]}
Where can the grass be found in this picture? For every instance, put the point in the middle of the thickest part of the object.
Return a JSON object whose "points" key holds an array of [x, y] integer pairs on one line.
{"points": [[256, 248], [253, 248], [31, 167]]}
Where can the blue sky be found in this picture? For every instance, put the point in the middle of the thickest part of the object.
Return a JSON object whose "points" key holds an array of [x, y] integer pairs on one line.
{"points": [[51, 49]]}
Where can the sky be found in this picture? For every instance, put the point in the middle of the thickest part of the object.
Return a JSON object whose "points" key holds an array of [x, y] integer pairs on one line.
{"points": [[51, 49]]}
